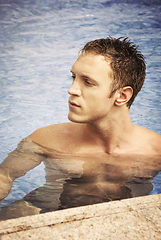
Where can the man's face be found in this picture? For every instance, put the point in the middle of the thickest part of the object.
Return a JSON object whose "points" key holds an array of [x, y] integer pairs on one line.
{"points": [[90, 99]]}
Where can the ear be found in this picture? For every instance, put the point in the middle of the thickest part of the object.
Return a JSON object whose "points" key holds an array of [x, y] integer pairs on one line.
{"points": [[123, 96]]}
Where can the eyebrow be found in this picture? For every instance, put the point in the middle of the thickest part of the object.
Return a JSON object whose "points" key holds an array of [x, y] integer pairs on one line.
{"points": [[86, 76]]}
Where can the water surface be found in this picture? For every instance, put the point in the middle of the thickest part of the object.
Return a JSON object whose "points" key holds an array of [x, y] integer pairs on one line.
{"points": [[39, 42]]}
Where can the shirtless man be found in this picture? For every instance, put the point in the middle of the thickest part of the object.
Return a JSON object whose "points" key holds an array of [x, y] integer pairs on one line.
{"points": [[107, 76]]}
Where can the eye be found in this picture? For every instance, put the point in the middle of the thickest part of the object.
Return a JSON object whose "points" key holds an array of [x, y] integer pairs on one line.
{"points": [[73, 77], [88, 82]]}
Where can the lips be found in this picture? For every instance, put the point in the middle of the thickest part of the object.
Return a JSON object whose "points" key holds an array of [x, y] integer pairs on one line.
{"points": [[73, 104]]}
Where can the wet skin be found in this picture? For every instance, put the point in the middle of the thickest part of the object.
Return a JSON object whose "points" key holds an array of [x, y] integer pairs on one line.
{"points": [[80, 179]]}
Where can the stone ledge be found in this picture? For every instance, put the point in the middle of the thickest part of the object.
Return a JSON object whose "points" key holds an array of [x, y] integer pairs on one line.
{"points": [[135, 218]]}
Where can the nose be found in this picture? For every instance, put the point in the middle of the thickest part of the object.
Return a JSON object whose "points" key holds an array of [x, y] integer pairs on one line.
{"points": [[75, 89]]}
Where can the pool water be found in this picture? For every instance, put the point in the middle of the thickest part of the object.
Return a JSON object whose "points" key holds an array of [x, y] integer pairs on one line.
{"points": [[39, 42]]}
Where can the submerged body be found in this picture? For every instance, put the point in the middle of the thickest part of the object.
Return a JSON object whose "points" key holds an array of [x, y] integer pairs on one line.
{"points": [[80, 172], [101, 155], [76, 179]]}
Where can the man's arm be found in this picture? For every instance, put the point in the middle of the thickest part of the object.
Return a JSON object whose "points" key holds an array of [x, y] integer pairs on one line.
{"points": [[24, 158]]}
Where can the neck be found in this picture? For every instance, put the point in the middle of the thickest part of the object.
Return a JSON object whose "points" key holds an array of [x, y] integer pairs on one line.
{"points": [[112, 134]]}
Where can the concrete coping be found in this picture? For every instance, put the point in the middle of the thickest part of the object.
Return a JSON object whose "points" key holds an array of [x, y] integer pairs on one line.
{"points": [[134, 218]]}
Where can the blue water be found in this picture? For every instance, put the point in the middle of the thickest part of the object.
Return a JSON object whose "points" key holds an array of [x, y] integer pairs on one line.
{"points": [[39, 42]]}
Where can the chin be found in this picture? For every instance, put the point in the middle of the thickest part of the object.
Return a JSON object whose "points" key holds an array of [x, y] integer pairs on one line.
{"points": [[71, 118], [75, 119]]}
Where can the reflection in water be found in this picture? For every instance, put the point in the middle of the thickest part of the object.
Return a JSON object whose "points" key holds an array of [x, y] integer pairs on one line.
{"points": [[78, 180]]}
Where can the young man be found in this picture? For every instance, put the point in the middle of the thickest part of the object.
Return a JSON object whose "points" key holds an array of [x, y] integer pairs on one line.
{"points": [[107, 76]]}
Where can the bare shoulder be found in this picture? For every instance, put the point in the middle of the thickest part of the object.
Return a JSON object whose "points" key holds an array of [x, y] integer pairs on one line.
{"points": [[151, 139], [56, 135]]}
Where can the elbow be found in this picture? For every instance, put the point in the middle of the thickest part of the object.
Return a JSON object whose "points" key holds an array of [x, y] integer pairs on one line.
{"points": [[5, 186]]}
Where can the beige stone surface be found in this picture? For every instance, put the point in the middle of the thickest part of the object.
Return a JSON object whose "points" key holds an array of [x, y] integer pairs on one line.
{"points": [[136, 218]]}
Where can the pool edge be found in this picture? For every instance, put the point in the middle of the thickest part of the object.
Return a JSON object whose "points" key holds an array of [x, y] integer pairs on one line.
{"points": [[135, 218]]}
